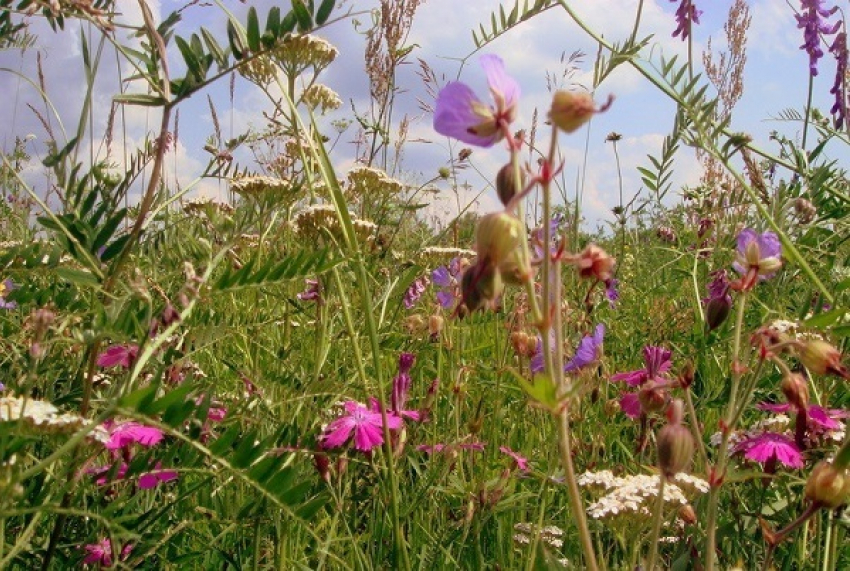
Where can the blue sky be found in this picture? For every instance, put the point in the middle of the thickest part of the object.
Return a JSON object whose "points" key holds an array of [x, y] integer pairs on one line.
{"points": [[775, 80]]}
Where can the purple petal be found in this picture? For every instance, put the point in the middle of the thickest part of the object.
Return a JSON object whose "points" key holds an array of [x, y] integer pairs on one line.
{"points": [[441, 277], [822, 419], [774, 408], [502, 86], [769, 245], [454, 115], [631, 378]]}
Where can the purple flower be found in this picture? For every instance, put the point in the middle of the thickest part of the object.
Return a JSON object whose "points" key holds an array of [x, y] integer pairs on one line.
{"points": [[100, 553], [461, 115], [146, 481], [312, 293], [447, 278], [401, 382], [156, 477], [122, 355], [718, 304], [589, 350], [757, 258], [656, 360], [7, 286], [686, 16], [415, 291], [812, 20], [612, 294], [839, 50], [364, 423], [770, 447]]}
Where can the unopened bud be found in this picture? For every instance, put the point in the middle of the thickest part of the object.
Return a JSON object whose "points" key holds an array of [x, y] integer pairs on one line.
{"points": [[435, 324], [506, 183], [716, 311], [687, 514], [796, 390], [828, 486], [820, 357], [652, 398], [322, 464], [571, 109], [675, 447], [498, 237]]}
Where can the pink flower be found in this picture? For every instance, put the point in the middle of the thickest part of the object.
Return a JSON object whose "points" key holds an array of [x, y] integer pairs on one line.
{"points": [[630, 405], [825, 419], [769, 447], [461, 115], [657, 361], [122, 355], [521, 461], [156, 476], [127, 433], [366, 424], [100, 553]]}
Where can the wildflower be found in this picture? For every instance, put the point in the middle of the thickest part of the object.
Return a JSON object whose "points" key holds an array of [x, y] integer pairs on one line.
{"points": [[686, 16], [461, 115], [364, 423], [520, 461], [313, 291], [100, 553], [594, 262], [612, 294], [415, 291], [321, 97], [758, 257], [7, 286], [480, 285], [104, 475], [127, 433], [156, 477], [368, 181], [507, 185], [839, 108], [770, 447], [657, 361], [589, 351], [118, 355], [812, 20], [401, 383], [38, 414]]}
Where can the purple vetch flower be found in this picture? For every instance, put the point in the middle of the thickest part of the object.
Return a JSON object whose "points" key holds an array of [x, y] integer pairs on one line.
{"points": [[415, 291], [839, 50], [686, 16], [313, 291], [589, 351], [447, 278], [812, 20], [757, 258], [612, 294], [365, 424], [718, 304], [461, 115], [401, 382]]}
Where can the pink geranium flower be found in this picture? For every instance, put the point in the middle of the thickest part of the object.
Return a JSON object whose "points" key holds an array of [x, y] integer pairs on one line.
{"points": [[365, 424], [770, 447], [100, 553], [121, 355]]}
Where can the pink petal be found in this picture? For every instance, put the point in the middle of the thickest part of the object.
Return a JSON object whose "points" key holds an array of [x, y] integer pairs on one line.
{"points": [[338, 432], [630, 405], [367, 436], [822, 418], [631, 378]]}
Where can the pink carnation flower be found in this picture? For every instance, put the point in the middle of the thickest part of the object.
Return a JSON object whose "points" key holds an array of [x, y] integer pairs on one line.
{"points": [[100, 553], [521, 461], [364, 423], [122, 355], [769, 447], [128, 433]]}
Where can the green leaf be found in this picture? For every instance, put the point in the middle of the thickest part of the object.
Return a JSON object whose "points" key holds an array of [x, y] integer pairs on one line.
{"points": [[237, 45], [273, 22], [115, 248], [214, 49], [825, 319], [541, 390], [54, 159], [80, 278], [324, 11], [287, 25], [192, 62], [253, 30], [302, 15], [108, 229]]}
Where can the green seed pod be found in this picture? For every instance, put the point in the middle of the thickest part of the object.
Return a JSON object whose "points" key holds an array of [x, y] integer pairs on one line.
{"points": [[828, 486], [506, 183], [498, 236]]}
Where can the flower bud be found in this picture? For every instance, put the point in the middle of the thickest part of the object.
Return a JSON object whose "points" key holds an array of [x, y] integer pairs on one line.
{"points": [[687, 514], [506, 183], [716, 311], [828, 486], [675, 449], [594, 262], [652, 398], [435, 325], [796, 390], [820, 357], [571, 109], [498, 237]]}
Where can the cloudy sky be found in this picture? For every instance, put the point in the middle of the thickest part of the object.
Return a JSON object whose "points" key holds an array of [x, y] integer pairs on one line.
{"points": [[441, 35]]}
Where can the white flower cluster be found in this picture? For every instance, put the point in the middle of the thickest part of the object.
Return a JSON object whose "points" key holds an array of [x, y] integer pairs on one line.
{"points": [[550, 535], [256, 185], [39, 414], [295, 54], [322, 98], [202, 204], [363, 181], [314, 220], [634, 495]]}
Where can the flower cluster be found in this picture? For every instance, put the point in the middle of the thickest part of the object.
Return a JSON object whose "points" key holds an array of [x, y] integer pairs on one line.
{"points": [[686, 16], [812, 20]]}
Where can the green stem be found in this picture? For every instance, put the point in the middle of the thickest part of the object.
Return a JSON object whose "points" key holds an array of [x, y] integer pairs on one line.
{"points": [[658, 518], [808, 115]]}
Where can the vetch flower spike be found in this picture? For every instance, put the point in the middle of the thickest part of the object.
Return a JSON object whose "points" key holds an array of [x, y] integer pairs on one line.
{"points": [[461, 115]]}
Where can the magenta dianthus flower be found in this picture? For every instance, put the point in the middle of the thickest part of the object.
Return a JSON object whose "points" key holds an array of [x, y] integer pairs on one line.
{"points": [[127, 433], [364, 423], [461, 115], [770, 447], [100, 553], [657, 362], [120, 355], [520, 461]]}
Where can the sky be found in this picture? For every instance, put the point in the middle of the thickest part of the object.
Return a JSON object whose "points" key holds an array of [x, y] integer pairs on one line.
{"points": [[775, 79]]}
